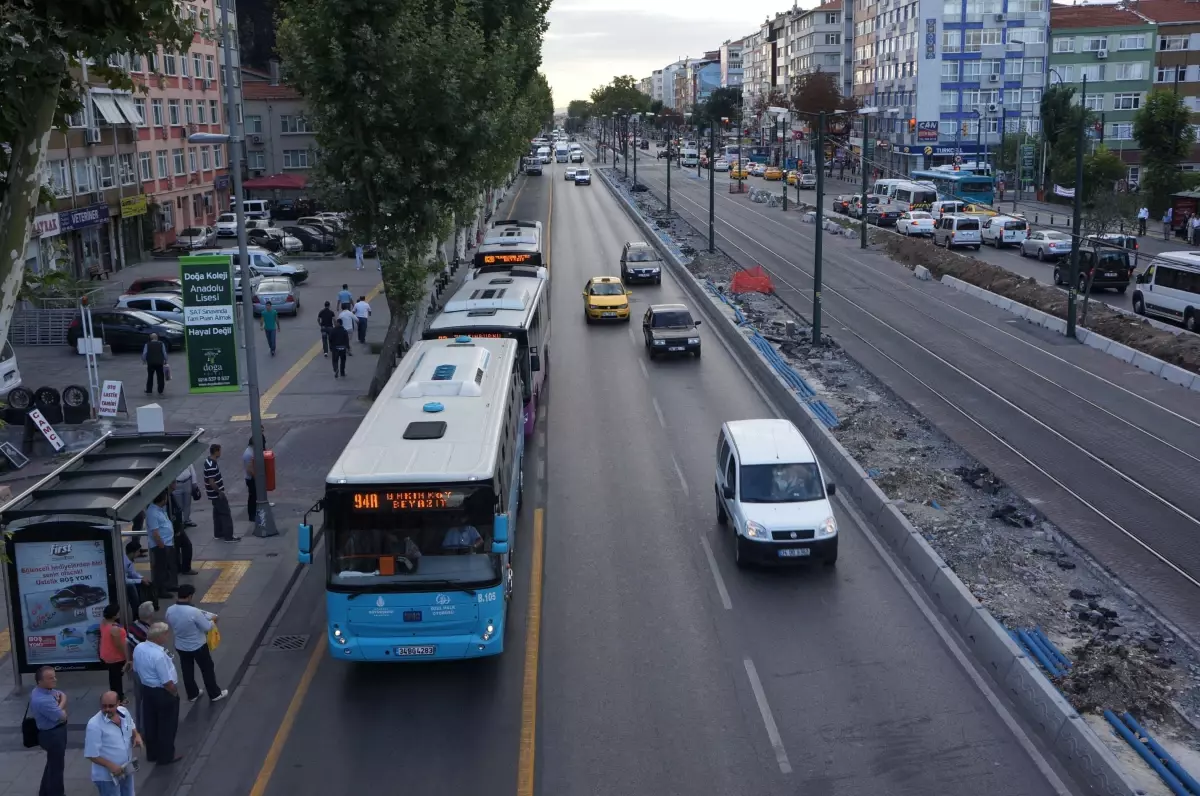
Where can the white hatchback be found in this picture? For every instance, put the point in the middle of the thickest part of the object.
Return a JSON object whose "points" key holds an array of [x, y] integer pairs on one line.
{"points": [[915, 222]]}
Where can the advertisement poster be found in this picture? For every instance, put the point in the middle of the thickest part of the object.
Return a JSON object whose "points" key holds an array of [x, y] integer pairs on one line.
{"points": [[63, 588], [209, 327]]}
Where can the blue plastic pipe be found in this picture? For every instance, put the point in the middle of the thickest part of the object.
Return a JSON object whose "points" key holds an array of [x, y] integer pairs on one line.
{"points": [[1033, 648], [1062, 659], [1047, 649], [1174, 784], [1172, 765]]}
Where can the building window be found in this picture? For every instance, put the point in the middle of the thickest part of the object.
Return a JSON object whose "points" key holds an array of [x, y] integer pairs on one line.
{"points": [[218, 154], [1095, 43], [256, 160], [59, 174], [253, 124], [169, 66], [295, 158], [1094, 102], [77, 119], [146, 166], [1172, 42], [950, 70], [213, 113], [156, 112], [1094, 72], [197, 205], [205, 159], [949, 102], [189, 114], [1165, 74], [1122, 131], [106, 171], [196, 65], [293, 124], [184, 69], [1026, 6], [1132, 43], [177, 161], [139, 105], [951, 41], [135, 62], [83, 170], [831, 18], [952, 11], [205, 22], [210, 68], [947, 128], [192, 162], [173, 112], [161, 157], [1033, 36], [1133, 71], [1127, 102], [128, 174], [201, 112], [1064, 44], [833, 38], [1132, 175]]}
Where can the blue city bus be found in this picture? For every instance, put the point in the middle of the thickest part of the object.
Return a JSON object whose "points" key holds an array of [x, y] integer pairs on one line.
{"points": [[420, 507], [961, 185]]}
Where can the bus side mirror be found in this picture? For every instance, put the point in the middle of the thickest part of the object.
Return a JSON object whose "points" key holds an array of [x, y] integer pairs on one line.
{"points": [[304, 539], [500, 536]]}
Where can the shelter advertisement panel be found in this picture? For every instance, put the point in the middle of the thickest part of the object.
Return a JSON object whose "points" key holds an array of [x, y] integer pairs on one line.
{"points": [[209, 319]]}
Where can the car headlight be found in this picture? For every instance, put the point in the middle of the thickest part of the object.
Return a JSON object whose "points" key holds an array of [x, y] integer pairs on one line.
{"points": [[693, 341], [828, 528], [593, 306], [660, 342], [622, 306], [756, 531]]}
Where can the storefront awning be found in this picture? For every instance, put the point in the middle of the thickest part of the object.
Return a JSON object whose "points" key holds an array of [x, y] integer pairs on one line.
{"points": [[128, 109], [278, 182], [108, 109]]}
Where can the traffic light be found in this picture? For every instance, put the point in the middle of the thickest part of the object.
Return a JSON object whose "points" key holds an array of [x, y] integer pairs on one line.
{"points": [[912, 125]]}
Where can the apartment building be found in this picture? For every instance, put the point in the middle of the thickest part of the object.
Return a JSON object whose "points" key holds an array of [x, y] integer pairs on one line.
{"points": [[1114, 48], [731, 64], [764, 62], [669, 73], [815, 42], [280, 147], [656, 85], [1175, 67], [684, 99], [646, 86], [705, 76]]}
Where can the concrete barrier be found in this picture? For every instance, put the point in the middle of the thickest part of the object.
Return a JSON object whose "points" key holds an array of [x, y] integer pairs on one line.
{"points": [[922, 273], [1082, 752], [1120, 351], [1177, 375], [1148, 363]]}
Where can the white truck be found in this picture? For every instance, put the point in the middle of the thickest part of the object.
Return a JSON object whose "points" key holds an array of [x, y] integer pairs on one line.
{"points": [[561, 152]]}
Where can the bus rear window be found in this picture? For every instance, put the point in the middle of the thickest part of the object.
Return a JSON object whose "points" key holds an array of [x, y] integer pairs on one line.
{"points": [[975, 186]]}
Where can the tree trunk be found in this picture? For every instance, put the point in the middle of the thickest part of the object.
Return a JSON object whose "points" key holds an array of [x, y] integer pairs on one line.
{"points": [[390, 351], [20, 200]]}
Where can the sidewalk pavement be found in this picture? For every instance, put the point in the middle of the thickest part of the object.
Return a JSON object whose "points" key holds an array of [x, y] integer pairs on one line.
{"points": [[308, 417]]}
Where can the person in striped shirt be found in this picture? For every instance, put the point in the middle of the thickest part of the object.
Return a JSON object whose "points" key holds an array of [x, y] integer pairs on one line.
{"points": [[214, 487]]}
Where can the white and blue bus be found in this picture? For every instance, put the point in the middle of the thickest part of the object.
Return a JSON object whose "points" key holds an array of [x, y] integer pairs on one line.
{"points": [[511, 242], [420, 509], [508, 302], [962, 185]]}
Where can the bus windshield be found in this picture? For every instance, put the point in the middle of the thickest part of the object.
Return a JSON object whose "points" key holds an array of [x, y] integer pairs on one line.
{"points": [[412, 536]]}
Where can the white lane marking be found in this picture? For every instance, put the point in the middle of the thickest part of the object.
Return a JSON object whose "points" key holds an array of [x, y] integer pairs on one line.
{"points": [[950, 641], [632, 336], [541, 469], [658, 411], [772, 731], [679, 472], [716, 572], [642, 365]]}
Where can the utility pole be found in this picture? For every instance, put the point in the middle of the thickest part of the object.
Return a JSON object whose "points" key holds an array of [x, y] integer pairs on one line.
{"points": [[862, 238], [819, 219], [670, 141], [636, 130], [1073, 287], [712, 195]]}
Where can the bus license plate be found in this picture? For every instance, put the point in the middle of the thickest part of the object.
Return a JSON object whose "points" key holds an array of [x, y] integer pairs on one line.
{"points": [[795, 552], [412, 652], [412, 616], [608, 315]]}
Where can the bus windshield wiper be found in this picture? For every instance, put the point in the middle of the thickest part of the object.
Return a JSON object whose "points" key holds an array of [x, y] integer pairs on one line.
{"points": [[449, 584]]}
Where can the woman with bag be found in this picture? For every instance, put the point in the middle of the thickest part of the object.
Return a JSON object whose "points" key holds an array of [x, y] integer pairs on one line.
{"points": [[114, 650]]}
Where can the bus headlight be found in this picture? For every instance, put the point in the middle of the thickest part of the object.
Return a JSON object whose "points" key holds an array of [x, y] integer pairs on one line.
{"points": [[489, 630], [339, 636]]}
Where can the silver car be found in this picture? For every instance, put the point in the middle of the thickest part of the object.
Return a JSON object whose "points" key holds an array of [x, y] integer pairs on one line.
{"points": [[1046, 245], [168, 306], [280, 292], [196, 238], [256, 277]]}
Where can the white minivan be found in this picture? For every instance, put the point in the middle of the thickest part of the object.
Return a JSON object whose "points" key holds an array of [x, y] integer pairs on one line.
{"points": [[772, 496], [1169, 288]]}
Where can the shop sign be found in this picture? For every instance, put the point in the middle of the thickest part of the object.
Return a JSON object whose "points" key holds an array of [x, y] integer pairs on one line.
{"points": [[46, 226], [85, 217], [927, 131], [221, 183], [208, 320], [132, 206]]}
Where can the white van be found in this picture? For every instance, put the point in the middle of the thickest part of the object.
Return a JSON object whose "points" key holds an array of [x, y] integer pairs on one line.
{"points": [[543, 154], [770, 489], [254, 208], [884, 187], [1169, 288], [689, 158], [1001, 231], [10, 374], [561, 153], [913, 196], [957, 230]]}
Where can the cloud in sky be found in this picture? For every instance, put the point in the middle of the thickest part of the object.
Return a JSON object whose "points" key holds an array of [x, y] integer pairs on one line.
{"points": [[590, 41]]}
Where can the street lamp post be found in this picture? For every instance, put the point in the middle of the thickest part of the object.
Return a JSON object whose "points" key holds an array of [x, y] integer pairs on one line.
{"points": [[233, 140], [712, 182], [1077, 212], [637, 133], [817, 257], [625, 141], [862, 220]]}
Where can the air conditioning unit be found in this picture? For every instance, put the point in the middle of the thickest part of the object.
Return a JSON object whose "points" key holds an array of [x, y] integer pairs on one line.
{"points": [[999, 17], [993, 78], [93, 135], [256, 139], [1102, 53], [993, 108], [256, 172]]}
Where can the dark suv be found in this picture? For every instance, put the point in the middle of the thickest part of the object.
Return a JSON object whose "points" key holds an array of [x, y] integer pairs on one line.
{"points": [[1109, 265], [640, 263]]}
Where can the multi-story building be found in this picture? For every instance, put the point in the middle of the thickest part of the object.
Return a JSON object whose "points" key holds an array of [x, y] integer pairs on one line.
{"points": [[646, 86], [815, 43], [731, 64], [180, 93], [1177, 38], [656, 85], [765, 70], [683, 87], [669, 73], [1114, 48], [705, 76], [280, 147]]}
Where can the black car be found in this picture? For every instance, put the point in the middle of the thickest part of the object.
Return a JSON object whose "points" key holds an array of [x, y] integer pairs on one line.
{"points": [[127, 330], [670, 329], [1109, 266], [882, 215], [313, 239], [640, 262], [78, 595]]}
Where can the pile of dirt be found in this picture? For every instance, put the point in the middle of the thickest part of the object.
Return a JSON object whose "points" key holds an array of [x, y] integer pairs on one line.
{"points": [[1180, 350], [1120, 677]]}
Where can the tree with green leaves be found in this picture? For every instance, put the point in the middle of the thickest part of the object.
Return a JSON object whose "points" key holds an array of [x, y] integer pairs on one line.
{"points": [[1101, 171], [619, 95], [1061, 119], [419, 107], [722, 103], [40, 42], [1162, 127], [820, 91]]}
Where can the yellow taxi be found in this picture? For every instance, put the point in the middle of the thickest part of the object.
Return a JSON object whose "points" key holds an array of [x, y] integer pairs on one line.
{"points": [[739, 172], [773, 173], [792, 177], [605, 299], [979, 210]]}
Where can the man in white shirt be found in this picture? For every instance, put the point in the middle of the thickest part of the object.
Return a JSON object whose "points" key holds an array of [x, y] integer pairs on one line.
{"points": [[362, 311], [1143, 217], [190, 626], [108, 743], [348, 321], [156, 671]]}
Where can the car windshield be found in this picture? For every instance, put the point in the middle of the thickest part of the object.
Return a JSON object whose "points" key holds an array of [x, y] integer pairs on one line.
{"points": [[192, 232], [226, 218], [274, 286], [582, 173], [672, 319], [642, 256], [608, 289], [920, 216], [781, 483], [7, 352]]}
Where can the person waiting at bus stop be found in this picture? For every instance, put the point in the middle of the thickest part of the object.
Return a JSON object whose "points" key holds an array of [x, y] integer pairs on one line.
{"points": [[164, 561]]}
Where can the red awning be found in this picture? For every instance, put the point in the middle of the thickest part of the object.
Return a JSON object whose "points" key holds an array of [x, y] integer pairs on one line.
{"points": [[278, 182]]}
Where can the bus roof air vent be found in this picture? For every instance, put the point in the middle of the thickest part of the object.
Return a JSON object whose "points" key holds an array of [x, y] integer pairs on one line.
{"points": [[503, 280], [426, 429], [452, 374], [444, 372], [481, 313]]}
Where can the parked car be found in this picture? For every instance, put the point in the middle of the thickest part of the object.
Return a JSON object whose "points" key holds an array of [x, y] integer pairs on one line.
{"points": [[167, 306], [278, 290], [10, 374], [1046, 245], [127, 330], [196, 238], [322, 224], [1001, 231], [275, 240], [957, 230], [1109, 267], [155, 284], [312, 239], [266, 263], [915, 222], [255, 278], [227, 225], [583, 177]]}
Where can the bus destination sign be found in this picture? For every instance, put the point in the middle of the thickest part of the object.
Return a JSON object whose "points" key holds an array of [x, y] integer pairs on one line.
{"points": [[507, 259], [407, 500]]}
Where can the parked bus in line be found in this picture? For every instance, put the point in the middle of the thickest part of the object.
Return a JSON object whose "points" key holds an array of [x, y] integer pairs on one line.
{"points": [[512, 303], [961, 185], [420, 508], [510, 242]]}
